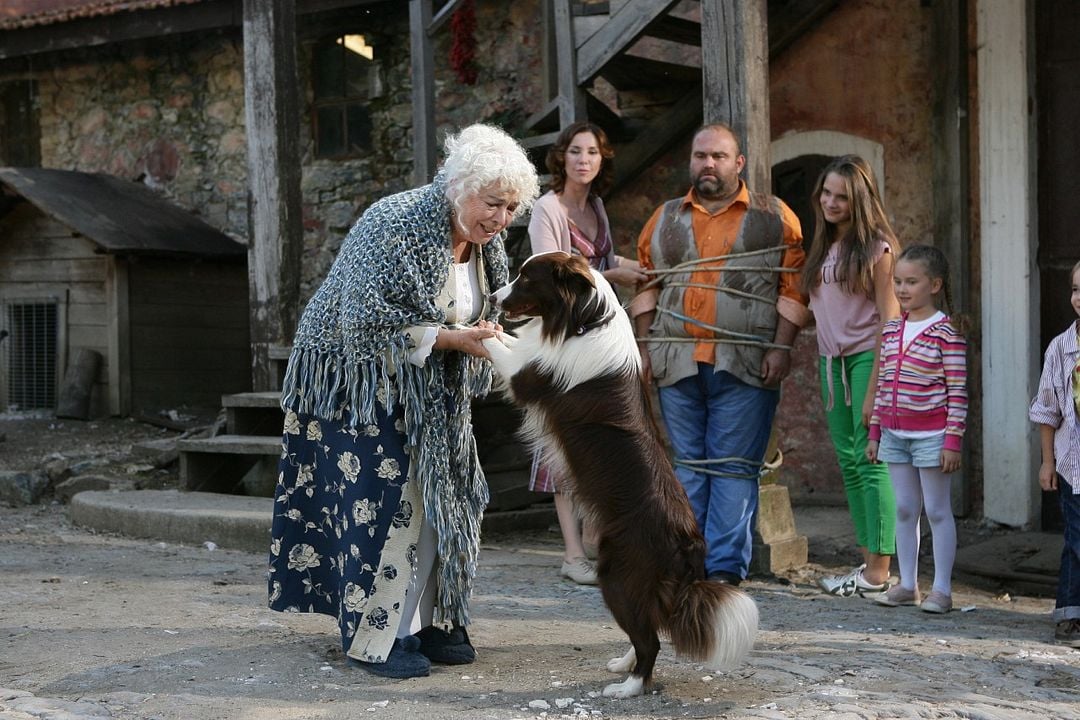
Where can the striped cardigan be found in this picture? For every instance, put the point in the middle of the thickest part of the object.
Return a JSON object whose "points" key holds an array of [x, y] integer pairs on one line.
{"points": [[922, 386]]}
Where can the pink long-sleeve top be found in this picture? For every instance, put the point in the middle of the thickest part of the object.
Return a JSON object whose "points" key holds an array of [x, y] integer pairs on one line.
{"points": [[922, 386]]}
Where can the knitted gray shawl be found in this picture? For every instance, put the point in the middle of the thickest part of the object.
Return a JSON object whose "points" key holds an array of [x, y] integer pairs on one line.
{"points": [[351, 340]]}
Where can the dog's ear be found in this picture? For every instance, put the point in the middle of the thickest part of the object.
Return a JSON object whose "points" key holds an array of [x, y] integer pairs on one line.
{"points": [[572, 272]]}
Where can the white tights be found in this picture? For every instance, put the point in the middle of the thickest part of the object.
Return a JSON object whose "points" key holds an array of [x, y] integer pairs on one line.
{"points": [[914, 488], [418, 609]]}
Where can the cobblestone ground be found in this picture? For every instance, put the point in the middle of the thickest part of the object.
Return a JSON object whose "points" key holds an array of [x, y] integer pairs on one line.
{"points": [[96, 627]]}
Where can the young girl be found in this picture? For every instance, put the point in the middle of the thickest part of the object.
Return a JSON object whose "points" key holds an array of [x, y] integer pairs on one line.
{"points": [[1055, 409], [918, 421], [848, 276]]}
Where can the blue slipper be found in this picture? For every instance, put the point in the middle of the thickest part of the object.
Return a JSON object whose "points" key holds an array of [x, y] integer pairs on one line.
{"points": [[403, 661], [447, 648]]}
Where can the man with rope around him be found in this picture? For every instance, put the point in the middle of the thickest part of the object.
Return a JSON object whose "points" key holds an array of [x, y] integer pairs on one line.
{"points": [[715, 328]]}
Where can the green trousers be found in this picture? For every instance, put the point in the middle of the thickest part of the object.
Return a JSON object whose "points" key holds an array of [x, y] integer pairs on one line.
{"points": [[867, 486]]}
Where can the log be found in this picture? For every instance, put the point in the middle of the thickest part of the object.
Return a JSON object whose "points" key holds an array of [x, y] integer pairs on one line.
{"points": [[78, 385]]}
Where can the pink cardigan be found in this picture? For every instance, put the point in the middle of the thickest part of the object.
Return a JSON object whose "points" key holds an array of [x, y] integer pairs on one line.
{"points": [[549, 226]]}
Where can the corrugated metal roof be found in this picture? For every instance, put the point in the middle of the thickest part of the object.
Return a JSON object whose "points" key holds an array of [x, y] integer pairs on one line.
{"points": [[118, 215], [27, 13]]}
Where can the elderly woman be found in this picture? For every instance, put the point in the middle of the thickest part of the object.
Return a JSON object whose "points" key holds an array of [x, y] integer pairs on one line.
{"points": [[380, 495]]}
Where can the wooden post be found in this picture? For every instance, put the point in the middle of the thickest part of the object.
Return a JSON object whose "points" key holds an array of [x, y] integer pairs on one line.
{"points": [[571, 96], [272, 114], [735, 77], [423, 91]]}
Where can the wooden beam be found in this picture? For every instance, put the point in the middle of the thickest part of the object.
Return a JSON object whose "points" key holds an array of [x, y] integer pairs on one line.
{"points": [[674, 124], [735, 79], [675, 29], [617, 34], [272, 116], [423, 91], [442, 17], [571, 96], [122, 27], [158, 22]]}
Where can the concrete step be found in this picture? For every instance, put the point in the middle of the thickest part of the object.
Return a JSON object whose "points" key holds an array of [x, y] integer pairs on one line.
{"points": [[253, 413], [233, 464], [229, 521]]}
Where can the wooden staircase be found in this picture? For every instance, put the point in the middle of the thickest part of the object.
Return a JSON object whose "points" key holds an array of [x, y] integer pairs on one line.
{"points": [[243, 461], [635, 68]]}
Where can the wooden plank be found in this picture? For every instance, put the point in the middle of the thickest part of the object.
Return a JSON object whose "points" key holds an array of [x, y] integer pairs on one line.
{"points": [[233, 444], [268, 399], [190, 316], [735, 78], [423, 91], [33, 245], [442, 17], [89, 314], [630, 72], [119, 28], [675, 29], [172, 337], [49, 270], [184, 358], [571, 96], [118, 353], [272, 113], [676, 123], [623, 28]]}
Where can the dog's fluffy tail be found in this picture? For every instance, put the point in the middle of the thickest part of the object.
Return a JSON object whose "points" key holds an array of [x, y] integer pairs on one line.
{"points": [[713, 623]]}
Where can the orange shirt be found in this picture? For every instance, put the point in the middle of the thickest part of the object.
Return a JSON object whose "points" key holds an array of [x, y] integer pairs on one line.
{"points": [[714, 234]]}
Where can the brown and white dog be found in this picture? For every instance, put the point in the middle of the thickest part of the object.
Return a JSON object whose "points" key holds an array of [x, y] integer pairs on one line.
{"points": [[575, 370]]}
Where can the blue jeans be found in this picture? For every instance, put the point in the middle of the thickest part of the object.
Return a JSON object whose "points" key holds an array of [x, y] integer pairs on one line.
{"points": [[715, 415], [1068, 590]]}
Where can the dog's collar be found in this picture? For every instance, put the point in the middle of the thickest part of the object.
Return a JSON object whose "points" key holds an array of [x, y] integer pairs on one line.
{"points": [[604, 320]]}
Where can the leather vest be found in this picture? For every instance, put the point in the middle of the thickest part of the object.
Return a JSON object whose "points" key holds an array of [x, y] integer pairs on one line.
{"points": [[673, 243]]}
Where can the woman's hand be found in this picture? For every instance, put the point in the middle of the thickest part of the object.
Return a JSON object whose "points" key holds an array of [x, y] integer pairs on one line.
{"points": [[627, 272], [466, 339], [871, 451]]}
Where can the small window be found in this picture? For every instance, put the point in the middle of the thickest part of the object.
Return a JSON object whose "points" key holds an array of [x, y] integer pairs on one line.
{"points": [[345, 76], [20, 144]]}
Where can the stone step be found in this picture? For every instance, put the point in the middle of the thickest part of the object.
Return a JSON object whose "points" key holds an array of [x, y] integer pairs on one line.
{"points": [[253, 413], [232, 464], [266, 399]]}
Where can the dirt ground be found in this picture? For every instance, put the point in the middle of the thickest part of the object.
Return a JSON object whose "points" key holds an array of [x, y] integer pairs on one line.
{"points": [[98, 626]]}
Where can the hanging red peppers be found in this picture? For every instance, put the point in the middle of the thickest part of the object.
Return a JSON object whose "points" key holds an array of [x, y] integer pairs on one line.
{"points": [[463, 47]]}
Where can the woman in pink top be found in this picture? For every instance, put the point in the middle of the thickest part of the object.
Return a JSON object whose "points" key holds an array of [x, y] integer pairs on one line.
{"points": [[570, 217], [848, 276]]}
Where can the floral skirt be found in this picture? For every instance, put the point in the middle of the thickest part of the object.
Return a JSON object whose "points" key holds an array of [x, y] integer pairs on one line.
{"points": [[346, 522]]}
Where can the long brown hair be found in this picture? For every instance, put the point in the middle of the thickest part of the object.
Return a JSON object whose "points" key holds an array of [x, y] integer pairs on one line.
{"points": [[869, 226], [556, 158]]}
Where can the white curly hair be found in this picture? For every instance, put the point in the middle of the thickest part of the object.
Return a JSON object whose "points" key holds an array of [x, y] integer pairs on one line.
{"points": [[483, 156]]}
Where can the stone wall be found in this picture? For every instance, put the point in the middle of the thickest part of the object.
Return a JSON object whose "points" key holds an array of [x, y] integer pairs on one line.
{"points": [[170, 112], [167, 112]]}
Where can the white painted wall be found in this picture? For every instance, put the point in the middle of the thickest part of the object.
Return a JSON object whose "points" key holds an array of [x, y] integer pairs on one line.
{"points": [[1009, 295]]}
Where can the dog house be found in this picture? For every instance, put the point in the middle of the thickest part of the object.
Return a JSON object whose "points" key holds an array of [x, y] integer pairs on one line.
{"points": [[91, 262]]}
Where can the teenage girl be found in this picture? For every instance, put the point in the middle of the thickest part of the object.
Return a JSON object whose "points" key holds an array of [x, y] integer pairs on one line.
{"points": [[1055, 409], [848, 276], [918, 422]]}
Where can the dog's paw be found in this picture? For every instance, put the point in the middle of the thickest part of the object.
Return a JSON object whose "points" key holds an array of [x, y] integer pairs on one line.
{"points": [[630, 687], [624, 663]]}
